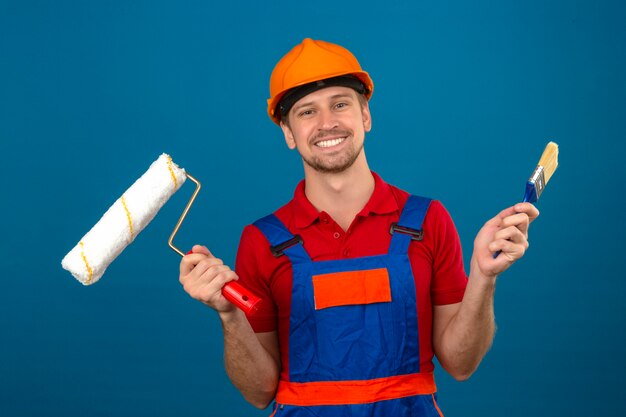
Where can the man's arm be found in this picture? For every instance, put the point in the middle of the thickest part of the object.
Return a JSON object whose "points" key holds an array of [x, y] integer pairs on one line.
{"points": [[463, 332], [251, 360]]}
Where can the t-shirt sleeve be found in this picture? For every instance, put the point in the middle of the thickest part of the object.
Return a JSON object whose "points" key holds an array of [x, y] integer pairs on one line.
{"points": [[250, 265], [449, 277]]}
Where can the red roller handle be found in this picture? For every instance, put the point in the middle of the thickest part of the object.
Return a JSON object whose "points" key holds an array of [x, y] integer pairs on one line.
{"points": [[240, 296]]}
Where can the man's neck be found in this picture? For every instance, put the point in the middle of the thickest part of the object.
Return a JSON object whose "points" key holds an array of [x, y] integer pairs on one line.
{"points": [[342, 195]]}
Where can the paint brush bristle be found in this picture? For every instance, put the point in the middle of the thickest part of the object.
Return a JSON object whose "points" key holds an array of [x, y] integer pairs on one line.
{"points": [[549, 160]]}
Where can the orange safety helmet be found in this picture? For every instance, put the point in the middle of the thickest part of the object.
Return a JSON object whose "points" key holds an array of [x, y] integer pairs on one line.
{"points": [[310, 62]]}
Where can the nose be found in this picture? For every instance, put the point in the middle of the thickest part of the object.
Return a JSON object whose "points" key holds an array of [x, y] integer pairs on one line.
{"points": [[327, 120]]}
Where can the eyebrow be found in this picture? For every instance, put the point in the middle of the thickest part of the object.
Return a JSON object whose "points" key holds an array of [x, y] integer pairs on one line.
{"points": [[333, 97]]}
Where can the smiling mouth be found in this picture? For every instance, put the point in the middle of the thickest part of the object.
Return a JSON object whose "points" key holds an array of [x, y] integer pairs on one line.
{"points": [[330, 142]]}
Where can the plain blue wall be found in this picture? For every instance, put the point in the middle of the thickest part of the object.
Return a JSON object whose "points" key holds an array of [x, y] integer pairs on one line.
{"points": [[467, 95]]}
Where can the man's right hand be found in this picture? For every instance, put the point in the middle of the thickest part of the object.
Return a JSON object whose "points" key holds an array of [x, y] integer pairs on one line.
{"points": [[203, 276]]}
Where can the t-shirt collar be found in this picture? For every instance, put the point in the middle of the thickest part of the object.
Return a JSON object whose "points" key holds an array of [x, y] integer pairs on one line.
{"points": [[382, 201]]}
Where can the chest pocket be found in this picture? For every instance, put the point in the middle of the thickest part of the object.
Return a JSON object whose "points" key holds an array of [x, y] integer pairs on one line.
{"points": [[351, 288]]}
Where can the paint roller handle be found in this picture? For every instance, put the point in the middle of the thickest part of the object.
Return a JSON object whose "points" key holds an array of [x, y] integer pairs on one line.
{"points": [[239, 296]]}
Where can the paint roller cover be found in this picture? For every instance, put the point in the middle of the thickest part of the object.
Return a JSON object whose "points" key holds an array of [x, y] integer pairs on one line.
{"points": [[124, 220]]}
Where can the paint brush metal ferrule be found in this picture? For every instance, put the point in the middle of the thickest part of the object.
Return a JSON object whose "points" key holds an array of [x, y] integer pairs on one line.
{"points": [[535, 185]]}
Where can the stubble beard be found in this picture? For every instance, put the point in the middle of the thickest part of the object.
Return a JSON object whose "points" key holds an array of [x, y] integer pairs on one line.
{"points": [[334, 164]]}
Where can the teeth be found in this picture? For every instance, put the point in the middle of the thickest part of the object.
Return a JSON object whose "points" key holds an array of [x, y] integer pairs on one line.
{"points": [[329, 143]]}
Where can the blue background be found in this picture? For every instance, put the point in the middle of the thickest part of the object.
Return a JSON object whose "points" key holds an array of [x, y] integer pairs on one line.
{"points": [[467, 95]]}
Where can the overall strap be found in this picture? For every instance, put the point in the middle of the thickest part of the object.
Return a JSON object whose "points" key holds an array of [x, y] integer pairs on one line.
{"points": [[409, 227], [282, 241]]}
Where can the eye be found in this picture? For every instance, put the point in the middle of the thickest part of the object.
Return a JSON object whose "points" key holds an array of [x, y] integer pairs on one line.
{"points": [[305, 113], [341, 105]]}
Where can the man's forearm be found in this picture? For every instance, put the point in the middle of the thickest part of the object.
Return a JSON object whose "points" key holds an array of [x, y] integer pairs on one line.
{"points": [[469, 334], [251, 368], [463, 333]]}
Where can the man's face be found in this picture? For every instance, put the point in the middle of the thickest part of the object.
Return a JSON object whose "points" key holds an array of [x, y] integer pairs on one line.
{"points": [[328, 128]]}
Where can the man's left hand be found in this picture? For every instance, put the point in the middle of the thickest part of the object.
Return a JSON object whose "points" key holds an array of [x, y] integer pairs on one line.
{"points": [[505, 235]]}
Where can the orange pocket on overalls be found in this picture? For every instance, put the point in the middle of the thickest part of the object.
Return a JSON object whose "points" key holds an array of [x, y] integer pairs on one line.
{"points": [[351, 288]]}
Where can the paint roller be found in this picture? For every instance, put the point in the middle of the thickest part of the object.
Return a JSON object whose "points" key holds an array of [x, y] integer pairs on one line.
{"points": [[128, 216]]}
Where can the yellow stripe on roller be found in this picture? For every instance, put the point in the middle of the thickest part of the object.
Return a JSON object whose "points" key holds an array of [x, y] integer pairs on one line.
{"points": [[128, 217], [89, 270], [169, 166]]}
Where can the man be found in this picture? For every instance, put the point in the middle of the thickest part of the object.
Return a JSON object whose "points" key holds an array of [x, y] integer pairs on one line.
{"points": [[362, 282]]}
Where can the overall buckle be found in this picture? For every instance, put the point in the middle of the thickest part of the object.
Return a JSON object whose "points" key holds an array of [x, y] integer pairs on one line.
{"points": [[416, 234], [279, 250]]}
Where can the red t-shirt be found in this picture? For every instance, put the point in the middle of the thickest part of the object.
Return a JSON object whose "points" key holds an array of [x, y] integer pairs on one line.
{"points": [[437, 260]]}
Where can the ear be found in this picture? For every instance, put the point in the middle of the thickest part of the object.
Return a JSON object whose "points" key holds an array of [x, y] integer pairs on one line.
{"points": [[289, 139], [367, 117]]}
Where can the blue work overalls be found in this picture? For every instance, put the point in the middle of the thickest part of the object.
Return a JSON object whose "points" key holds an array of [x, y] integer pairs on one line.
{"points": [[353, 331]]}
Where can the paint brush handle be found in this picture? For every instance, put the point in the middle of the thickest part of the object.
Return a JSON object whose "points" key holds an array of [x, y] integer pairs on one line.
{"points": [[530, 196]]}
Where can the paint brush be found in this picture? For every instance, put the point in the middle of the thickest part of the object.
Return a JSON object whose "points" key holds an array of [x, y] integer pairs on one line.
{"points": [[541, 175]]}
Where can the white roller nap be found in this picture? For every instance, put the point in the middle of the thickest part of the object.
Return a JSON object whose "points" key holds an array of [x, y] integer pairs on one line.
{"points": [[123, 221]]}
